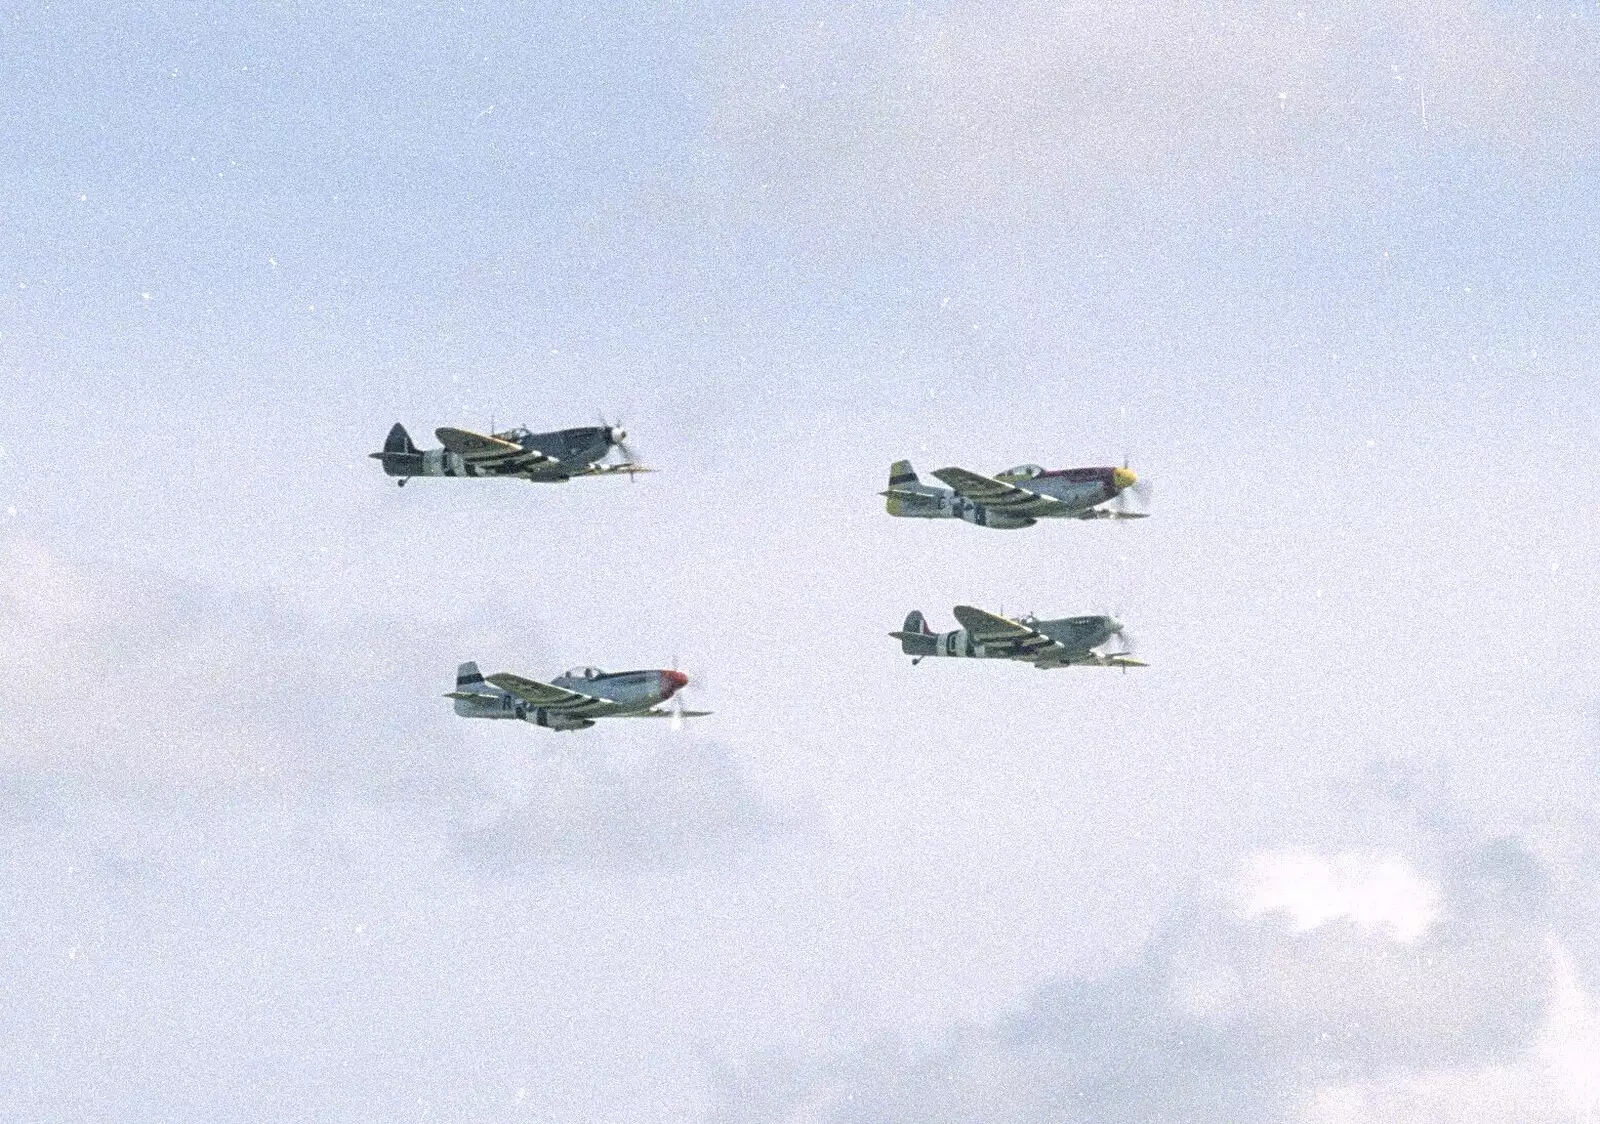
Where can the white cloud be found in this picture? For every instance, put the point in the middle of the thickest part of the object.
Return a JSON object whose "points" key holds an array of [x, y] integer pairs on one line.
{"points": [[1437, 1001], [1554, 1080], [1569, 1045], [1377, 894]]}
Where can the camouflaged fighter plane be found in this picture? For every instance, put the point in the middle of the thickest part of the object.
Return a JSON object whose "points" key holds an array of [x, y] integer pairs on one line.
{"points": [[1070, 642], [517, 453], [571, 701], [1017, 497]]}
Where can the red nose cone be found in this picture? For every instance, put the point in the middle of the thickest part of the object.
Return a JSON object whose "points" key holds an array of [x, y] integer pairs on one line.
{"points": [[677, 680]]}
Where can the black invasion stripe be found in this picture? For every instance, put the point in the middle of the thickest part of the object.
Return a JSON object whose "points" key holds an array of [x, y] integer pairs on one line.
{"points": [[583, 704]]}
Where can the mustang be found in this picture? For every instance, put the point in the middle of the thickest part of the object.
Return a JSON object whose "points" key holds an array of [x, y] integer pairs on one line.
{"points": [[571, 701], [1017, 497]]}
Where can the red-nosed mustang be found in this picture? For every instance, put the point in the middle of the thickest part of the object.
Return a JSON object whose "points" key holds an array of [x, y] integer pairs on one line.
{"points": [[1017, 497], [571, 701]]}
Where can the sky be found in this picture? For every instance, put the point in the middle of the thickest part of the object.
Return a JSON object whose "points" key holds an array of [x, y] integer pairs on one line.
{"points": [[1325, 274]]}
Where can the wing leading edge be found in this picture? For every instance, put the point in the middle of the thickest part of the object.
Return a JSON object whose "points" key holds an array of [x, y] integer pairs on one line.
{"points": [[494, 454], [1016, 639], [551, 698], [999, 496]]}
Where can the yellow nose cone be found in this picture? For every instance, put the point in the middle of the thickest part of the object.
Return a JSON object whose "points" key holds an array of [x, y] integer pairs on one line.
{"points": [[1123, 478]]}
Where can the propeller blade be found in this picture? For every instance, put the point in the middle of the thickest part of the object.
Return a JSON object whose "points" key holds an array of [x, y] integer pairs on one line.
{"points": [[1141, 490], [695, 682], [617, 438]]}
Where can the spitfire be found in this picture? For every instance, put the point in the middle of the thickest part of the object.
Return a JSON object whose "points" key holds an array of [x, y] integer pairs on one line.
{"points": [[1017, 497], [576, 700], [1069, 642], [572, 701], [516, 453]]}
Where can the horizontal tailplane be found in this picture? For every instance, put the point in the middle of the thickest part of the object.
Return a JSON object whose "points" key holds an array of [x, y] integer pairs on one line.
{"points": [[400, 456], [916, 638]]}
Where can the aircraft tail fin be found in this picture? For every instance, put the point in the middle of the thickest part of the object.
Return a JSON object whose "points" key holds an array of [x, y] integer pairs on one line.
{"points": [[399, 441], [916, 638], [469, 678], [908, 495], [903, 477], [400, 457]]}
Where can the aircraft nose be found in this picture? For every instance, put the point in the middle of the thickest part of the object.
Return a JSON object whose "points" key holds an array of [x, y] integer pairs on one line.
{"points": [[616, 434], [1123, 478], [676, 681]]}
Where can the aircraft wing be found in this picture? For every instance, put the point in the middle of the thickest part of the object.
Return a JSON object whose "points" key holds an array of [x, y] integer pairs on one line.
{"points": [[478, 448], [1104, 513], [984, 625], [1000, 496], [995, 631], [1088, 659], [465, 443], [662, 712], [549, 697], [609, 469]]}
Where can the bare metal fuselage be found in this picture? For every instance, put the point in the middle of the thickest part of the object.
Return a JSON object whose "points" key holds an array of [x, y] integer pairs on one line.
{"points": [[615, 694], [1034, 493]]}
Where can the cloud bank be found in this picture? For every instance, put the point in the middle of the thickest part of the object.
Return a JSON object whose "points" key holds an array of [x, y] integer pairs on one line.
{"points": [[1331, 988]]}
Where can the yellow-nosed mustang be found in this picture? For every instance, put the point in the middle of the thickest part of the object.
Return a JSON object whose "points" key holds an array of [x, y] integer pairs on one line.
{"points": [[1045, 644], [1018, 497], [571, 701], [516, 453]]}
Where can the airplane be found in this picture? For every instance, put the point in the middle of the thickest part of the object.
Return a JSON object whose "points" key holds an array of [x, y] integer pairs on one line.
{"points": [[518, 453], [1045, 644], [1017, 497], [571, 701]]}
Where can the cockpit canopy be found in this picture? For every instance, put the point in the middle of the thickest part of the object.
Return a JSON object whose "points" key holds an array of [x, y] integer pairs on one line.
{"points": [[516, 433], [585, 673], [1024, 472]]}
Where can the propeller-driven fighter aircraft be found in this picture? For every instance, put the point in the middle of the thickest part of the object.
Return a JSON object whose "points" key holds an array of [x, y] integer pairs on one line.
{"points": [[1045, 644], [517, 453], [571, 701], [1017, 497]]}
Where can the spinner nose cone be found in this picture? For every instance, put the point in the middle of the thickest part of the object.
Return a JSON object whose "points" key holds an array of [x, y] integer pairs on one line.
{"points": [[1122, 478], [616, 434], [675, 681]]}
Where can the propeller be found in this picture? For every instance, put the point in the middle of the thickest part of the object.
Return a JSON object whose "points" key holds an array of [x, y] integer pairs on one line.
{"points": [[1141, 488], [617, 437], [1129, 647], [695, 680]]}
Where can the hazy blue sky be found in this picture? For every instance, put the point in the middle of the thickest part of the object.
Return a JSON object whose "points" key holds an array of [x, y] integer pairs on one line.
{"points": [[1327, 274]]}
